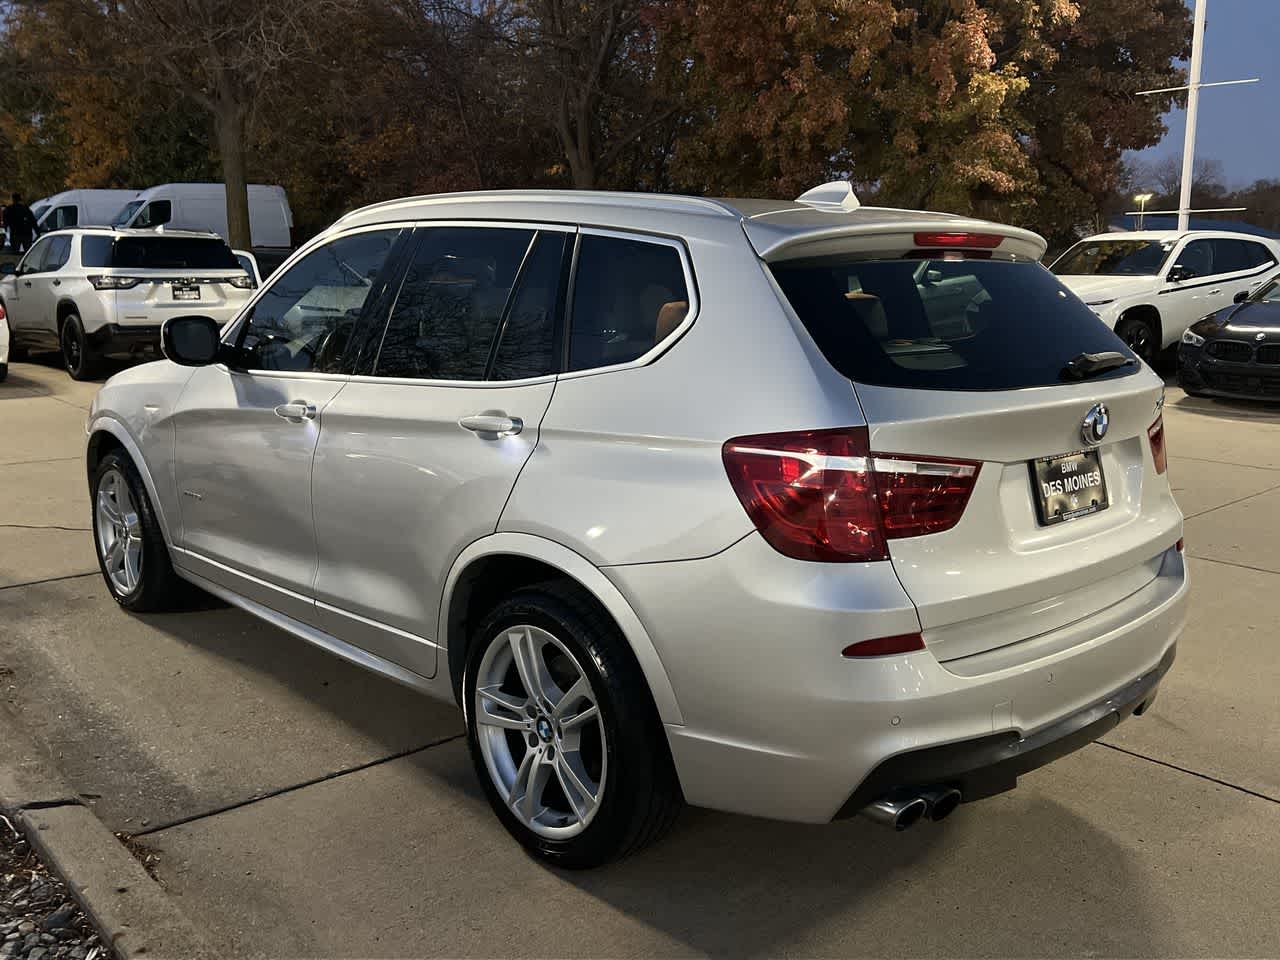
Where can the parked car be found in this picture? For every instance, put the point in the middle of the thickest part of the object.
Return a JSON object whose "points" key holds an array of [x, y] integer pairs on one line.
{"points": [[249, 264], [203, 207], [81, 208], [98, 292], [4, 345], [1150, 286], [782, 508], [1235, 352]]}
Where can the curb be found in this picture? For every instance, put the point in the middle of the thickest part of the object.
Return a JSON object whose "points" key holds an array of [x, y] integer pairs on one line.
{"points": [[131, 912]]}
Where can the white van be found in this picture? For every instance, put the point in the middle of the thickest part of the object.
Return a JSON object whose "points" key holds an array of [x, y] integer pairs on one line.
{"points": [[203, 206], [80, 208]]}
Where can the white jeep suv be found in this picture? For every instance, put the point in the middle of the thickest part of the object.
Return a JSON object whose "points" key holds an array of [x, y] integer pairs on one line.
{"points": [[1150, 286], [775, 507], [95, 292]]}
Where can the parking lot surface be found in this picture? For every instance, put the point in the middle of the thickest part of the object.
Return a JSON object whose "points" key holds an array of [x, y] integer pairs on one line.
{"points": [[301, 807]]}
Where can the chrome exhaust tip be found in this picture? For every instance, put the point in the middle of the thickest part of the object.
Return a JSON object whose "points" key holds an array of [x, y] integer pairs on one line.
{"points": [[942, 801], [896, 812]]}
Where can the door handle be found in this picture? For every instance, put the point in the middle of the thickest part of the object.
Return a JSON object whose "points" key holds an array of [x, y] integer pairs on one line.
{"points": [[26, 283], [297, 411], [1214, 293], [495, 424]]}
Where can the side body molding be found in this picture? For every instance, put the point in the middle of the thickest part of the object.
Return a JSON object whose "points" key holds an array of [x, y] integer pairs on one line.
{"points": [[584, 572]]}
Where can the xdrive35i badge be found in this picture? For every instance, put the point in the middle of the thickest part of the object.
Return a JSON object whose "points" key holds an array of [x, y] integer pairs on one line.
{"points": [[1094, 426]]}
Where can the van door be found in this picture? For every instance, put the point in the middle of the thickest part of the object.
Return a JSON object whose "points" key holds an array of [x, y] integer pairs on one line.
{"points": [[245, 436], [421, 450]]}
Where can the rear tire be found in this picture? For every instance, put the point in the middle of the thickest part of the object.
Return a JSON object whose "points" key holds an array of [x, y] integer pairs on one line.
{"points": [[1141, 337], [79, 356], [132, 553], [530, 756], [4, 371]]}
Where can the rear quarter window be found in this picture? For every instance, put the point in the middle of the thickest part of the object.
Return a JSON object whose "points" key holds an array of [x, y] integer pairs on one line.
{"points": [[944, 324]]}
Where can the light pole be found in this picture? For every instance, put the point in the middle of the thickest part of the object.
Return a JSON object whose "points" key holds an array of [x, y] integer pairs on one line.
{"points": [[1141, 200]]}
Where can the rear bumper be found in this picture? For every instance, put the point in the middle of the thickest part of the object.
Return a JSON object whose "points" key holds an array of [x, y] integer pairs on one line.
{"points": [[126, 338], [778, 724], [985, 766]]}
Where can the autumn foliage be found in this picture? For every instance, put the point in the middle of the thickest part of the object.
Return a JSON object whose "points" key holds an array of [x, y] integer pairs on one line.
{"points": [[1013, 109]]}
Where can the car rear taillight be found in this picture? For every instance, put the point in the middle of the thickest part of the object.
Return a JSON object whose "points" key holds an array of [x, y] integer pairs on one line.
{"points": [[981, 241], [3, 315], [113, 283], [1155, 433], [242, 283], [823, 495]]}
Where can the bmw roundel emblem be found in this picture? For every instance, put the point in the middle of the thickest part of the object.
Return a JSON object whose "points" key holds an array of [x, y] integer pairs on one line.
{"points": [[1094, 426]]}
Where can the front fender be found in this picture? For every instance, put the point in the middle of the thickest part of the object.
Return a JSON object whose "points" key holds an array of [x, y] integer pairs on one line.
{"points": [[580, 569], [104, 423]]}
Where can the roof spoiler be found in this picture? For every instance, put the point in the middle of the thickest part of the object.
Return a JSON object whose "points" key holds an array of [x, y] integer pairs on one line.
{"points": [[836, 195]]}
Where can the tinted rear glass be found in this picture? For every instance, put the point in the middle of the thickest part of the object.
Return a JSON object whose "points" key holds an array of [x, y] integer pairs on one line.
{"points": [[944, 324], [159, 253]]}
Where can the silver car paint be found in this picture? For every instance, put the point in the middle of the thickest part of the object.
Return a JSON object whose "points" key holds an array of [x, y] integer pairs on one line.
{"points": [[625, 492]]}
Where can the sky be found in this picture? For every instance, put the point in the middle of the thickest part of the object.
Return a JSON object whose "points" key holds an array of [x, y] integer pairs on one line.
{"points": [[1236, 125]]}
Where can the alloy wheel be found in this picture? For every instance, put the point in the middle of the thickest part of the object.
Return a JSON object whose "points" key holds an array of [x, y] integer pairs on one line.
{"points": [[540, 731], [119, 530], [70, 347]]}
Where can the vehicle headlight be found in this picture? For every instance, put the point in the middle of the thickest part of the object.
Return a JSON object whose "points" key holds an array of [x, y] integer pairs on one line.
{"points": [[1192, 339]]}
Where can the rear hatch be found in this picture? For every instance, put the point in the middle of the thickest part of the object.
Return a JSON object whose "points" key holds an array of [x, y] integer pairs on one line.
{"points": [[156, 276], [973, 364]]}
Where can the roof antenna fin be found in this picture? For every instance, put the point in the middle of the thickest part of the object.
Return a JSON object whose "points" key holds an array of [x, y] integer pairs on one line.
{"points": [[837, 193]]}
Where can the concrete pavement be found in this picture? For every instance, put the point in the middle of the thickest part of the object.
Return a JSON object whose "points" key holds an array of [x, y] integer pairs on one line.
{"points": [[303, 808]]}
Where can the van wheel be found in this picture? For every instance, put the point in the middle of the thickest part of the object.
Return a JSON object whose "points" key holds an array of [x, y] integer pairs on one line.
{"points": [[132, 554], [563, 733], [78, 355], [1140, 336]]}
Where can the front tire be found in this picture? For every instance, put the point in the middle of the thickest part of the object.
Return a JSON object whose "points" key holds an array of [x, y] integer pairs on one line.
{"points": [[564, 736], [132, 553], [78, 355], [1140, 336]]}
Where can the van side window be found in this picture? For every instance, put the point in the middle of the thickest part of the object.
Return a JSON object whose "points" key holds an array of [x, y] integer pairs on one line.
{"points": [[304, 319], [63, 217], [451, 302], [629, 296], [155, 214]]}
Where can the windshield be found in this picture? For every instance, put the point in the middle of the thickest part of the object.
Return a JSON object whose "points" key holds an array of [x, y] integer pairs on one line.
{"points": [[126, 213], [39, 210], [1110, 258], [1269, 294], [928, 324]]}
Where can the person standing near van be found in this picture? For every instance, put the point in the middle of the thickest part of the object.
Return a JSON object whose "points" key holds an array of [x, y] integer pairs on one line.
{"points": [[21, 223]]}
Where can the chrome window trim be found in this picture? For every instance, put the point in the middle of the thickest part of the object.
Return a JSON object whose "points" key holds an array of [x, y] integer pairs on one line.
{"points": [[658, 349]]}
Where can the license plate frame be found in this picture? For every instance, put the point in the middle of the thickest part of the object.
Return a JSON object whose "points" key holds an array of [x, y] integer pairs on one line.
{"points": [[1056, 488], [185, 292]]}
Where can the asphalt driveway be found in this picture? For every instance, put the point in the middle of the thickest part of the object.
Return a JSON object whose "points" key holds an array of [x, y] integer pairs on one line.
{"points": [[301, 807]]}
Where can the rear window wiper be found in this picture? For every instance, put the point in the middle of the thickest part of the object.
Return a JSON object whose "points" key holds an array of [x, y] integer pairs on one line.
{"points": [[1088, 365]]}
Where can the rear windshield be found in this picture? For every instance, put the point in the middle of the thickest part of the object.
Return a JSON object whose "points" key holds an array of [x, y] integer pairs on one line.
{"points": [[158, 253], [954, 324]]}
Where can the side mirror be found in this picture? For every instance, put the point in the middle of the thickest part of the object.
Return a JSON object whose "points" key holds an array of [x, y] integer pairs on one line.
{"points": [[1178, 273], [191, 341], [1242, 296]]}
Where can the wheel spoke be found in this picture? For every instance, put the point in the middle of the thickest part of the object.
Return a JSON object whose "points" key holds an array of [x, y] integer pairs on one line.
{"points": [[578, 719], [513, 716], [574, 786], [530, 781], [115, 554], [580, 690], [528, 660]]}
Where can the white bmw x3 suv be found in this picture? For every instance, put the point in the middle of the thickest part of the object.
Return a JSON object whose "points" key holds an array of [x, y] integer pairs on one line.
{"points": [[795, 509], [95, 292]]}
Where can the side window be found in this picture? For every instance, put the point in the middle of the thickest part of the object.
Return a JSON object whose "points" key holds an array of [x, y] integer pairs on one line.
{"points": [[59, 253], [157, 213], [1256, 255], [1197, 256], [64, 217], [303, 321], [451, 303], [629, 295], [527, 341], [32, 262]]}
